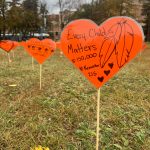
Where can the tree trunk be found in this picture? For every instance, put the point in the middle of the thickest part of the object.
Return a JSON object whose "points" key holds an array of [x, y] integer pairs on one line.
{"points": [[0, 34], [4, 20], [148, 31]]}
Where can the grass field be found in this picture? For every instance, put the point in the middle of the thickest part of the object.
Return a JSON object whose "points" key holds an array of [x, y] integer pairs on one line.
{"points": [[62, 116]]}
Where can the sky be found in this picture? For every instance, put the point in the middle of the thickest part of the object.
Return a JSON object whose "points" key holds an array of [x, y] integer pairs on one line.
{"points": [[53, 7]]}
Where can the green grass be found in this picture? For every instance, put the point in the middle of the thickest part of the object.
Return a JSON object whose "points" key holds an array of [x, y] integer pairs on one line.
{"points": [[62, 116]]}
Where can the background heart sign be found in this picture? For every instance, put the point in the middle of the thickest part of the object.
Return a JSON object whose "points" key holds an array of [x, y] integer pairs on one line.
{"points": [[99, 52], [40, 50], [8, 45], [58, 45]]}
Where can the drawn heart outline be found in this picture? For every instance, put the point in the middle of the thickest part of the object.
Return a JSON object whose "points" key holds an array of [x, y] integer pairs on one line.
{"points": [[96, 49]]}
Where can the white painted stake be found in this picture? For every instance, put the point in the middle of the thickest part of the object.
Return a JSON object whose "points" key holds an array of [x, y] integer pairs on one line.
{"points": [[98, 122]]}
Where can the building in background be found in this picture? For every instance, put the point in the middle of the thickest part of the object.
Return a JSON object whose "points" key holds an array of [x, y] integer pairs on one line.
{"points": [[53, 24], [138, 11]]}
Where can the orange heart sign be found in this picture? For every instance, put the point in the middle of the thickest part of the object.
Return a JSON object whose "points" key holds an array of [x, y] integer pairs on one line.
{"points": [[7, 45], [22, 43], [40, 50], [99, 52], [58, 45], [49, 43], [16, 44]]}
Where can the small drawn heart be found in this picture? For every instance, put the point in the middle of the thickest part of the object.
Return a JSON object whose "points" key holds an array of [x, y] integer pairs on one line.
{"points": [[110, 65], [100, 79], [107, 72]]}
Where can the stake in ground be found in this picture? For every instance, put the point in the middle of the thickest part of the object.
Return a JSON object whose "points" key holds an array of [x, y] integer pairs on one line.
{"points": [[63, 114]]}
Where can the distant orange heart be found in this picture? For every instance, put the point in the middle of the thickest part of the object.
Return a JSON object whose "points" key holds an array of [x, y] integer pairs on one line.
{"points": [[22, 43], [16, 44], [40, 50], [100, 52], [58, 45], [8, 45]]}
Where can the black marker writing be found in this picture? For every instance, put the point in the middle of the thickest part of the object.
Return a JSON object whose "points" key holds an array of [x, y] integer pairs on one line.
{"points": [[71, 35], [89, 67], [96, 32], [79, 48]]}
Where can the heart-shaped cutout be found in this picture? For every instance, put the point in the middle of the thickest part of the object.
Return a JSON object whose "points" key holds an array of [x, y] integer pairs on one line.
{"points": [[16, 44], [99, 52], [40, 50], [8, 45], [58, 45]]}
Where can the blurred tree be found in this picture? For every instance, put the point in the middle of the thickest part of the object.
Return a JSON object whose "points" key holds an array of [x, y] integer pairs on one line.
{"points": [[14, 3], [83, 11], [1, 27], [67, 5], [101, 10], [125, 7], [31, 5], [105, 9], [3, 11], [14, 16], [61, 4], [146, 12], [31, 20], [43, 12]]}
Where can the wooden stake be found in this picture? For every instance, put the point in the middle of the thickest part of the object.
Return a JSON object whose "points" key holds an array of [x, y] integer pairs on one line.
{"points": [[13, 54], [139, 57], [40, 76], [32, 63], [9, 60], [98, 122]]}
